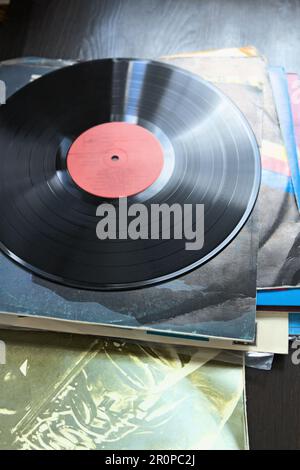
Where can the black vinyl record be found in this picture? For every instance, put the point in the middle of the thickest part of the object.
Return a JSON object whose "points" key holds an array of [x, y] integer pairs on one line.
{"points": [[48, 217]]}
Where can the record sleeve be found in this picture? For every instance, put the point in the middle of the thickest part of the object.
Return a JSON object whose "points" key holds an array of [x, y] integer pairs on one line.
{"points": [[55, 395], [70, 152], [193, 305], [205, 303], [279, 221]]}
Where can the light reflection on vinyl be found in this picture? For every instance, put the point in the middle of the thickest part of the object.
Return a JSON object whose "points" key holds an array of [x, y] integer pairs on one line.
{"points": [[100, 130]]}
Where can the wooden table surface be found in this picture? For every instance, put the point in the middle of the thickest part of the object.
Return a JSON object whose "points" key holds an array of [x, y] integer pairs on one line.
{"points": [[88, 29]]}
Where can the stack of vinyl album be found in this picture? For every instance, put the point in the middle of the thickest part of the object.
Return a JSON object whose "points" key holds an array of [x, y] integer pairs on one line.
{"points": [[133, 311]]}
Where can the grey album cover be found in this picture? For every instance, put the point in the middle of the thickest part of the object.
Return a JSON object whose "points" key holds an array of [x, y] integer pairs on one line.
{"points": [[217, 299]]}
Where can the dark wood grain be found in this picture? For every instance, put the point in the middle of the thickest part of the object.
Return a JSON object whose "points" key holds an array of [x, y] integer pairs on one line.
{"points": [[87, 29], [13, 31], [274, 406]]}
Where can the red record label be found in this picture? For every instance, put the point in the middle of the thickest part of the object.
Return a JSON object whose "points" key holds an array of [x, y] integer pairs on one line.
{"points": [[115, 160]]}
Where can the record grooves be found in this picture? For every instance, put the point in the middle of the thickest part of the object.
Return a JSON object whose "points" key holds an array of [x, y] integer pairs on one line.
{"points": [[202, 151]]}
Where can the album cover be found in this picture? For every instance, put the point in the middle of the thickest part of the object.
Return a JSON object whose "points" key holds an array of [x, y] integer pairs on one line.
{"points": [[271, 332], [283, 102], [294, 324], [279, 256], [286, 299], [205, 303], [279, 220], [294, 93]]}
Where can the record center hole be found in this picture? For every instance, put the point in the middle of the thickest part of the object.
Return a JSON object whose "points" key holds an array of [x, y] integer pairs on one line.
{"points": [[115, 158]]}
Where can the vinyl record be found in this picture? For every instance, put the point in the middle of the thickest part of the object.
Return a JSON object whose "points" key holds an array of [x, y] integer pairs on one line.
{"points": [[94, 132]]}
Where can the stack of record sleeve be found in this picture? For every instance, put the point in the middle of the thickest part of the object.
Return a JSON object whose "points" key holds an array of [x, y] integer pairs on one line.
{"points": [[278, 273], [215, 305], [179, 365]]}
